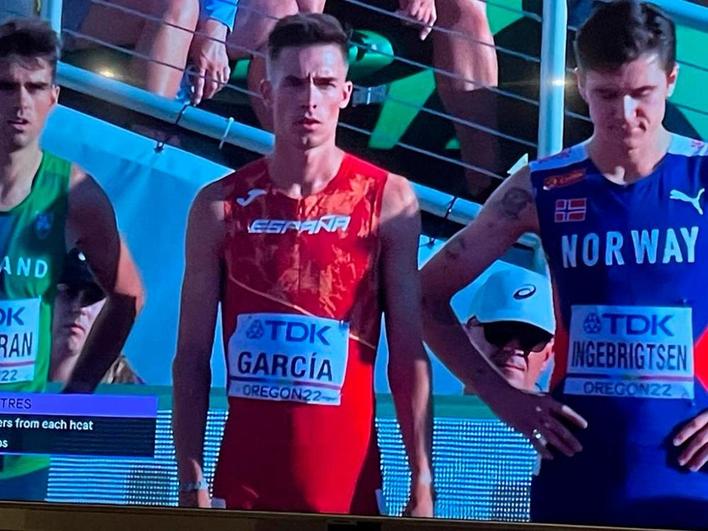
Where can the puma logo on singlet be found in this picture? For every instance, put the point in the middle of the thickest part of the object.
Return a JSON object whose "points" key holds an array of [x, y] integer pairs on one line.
{"points": [[250, 196], [695, 201]]}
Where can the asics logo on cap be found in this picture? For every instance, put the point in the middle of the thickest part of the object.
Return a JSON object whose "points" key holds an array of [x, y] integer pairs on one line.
{"points": [[250, 196], [695, 201], [525, 292]]}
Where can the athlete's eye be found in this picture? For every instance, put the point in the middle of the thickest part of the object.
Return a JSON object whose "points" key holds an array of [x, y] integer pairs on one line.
{"points": [[643, 93], [292, 81]]}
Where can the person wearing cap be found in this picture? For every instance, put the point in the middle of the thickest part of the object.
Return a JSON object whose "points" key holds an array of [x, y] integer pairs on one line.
{"points": [[48, 205], [77, 304], [513, 325]]}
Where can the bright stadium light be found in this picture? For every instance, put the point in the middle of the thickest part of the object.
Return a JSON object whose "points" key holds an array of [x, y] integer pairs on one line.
{"points": [[107, 72]]}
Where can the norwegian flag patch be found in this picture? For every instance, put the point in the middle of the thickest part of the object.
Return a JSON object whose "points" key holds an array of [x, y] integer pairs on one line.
{"points": [[568, 210]]}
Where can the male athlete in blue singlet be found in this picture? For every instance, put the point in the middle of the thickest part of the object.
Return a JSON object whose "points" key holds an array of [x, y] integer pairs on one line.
{"points": [[622, 218]]}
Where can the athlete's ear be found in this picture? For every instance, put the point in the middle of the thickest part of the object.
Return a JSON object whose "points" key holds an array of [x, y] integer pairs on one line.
{"points": [[346, 94], [266, 88], [580, 80], [55, 94], [671, 78]]}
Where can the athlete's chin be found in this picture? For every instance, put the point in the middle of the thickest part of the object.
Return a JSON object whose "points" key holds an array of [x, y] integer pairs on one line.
{"points": [[630, 138], [19, 140], [307, 142]]}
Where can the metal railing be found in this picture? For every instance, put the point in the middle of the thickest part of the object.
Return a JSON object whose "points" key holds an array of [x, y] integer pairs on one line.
{"points": [[552, 79], [230, 131]]}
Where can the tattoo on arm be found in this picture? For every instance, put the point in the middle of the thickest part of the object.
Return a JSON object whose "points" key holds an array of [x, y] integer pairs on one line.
{"points": [[456, 248], [440, 311], [514, 201]]}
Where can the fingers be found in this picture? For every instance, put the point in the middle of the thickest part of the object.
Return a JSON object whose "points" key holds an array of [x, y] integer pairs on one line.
{"points": [[551, 430], [696, 452], [214, 80], [198, 76], [428, 22], [567, 414], [698, 458], [691, 428], [422, 13], [539, 442], [562, 438]]}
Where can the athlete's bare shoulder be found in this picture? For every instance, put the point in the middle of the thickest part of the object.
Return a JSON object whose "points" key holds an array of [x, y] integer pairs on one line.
{"points": [[78, 175], [211, 200], [399, 199]]}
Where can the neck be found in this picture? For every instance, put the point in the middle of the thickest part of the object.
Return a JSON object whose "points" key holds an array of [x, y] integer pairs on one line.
{"points": [[17, 168], [301, 172], [626, 166]]}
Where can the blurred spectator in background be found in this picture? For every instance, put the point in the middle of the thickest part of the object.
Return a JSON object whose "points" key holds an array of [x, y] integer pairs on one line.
{"points": [[77, 304], [513, 325], [463, 46], [167, 36]]}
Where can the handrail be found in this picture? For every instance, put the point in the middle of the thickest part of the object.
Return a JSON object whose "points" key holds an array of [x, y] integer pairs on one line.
{"points": [[552, 79], [233, 132], [683, 12]]}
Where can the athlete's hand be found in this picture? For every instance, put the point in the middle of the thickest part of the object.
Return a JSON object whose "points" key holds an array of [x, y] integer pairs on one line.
{"points": [[694, 436], [209, 63], [419, 12], [544, 421], [197, 498], [422, 501]]}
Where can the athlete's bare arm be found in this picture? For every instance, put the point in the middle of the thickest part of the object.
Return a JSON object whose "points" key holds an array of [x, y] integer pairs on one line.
{"points": [[91, 227], [191, 369], [409, 365], [508, 213]]}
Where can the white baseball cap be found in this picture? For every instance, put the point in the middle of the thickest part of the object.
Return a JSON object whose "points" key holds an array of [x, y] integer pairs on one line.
{"points": [[516, 295]]}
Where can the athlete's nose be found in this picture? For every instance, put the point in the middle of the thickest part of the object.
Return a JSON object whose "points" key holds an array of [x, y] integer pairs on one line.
{"points": [[310, 94], [629, 108]]}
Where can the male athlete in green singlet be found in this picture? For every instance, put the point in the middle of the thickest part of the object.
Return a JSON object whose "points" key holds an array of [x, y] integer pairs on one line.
{"points": [[48, 205]]}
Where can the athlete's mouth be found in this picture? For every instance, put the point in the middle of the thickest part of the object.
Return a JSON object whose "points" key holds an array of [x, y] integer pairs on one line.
{"points": [[307, 121], [18, 121]]}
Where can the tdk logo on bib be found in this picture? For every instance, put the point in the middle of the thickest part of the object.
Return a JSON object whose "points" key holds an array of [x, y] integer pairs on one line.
{"points": [[630, 351], [289, 331], [11, 315], [19, 340], [301, 358], [629, 324]]}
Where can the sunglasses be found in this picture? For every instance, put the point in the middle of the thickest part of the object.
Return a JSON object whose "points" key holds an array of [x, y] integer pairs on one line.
{"points": [[87, 295], [529, 338]]}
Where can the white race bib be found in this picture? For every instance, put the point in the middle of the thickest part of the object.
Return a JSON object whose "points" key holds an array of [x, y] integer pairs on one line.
{"points": [[630, 351], [19, 339], [277, 356]]}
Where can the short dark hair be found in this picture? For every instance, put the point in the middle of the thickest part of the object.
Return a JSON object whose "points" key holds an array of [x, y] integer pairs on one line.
{"points": [[619, 32], [307, 29], [29, 39]]}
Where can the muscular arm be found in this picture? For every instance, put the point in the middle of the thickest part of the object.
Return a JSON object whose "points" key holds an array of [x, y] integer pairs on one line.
{"points": [[191, 369], [409, 366], [508, 213], [91, 227]]}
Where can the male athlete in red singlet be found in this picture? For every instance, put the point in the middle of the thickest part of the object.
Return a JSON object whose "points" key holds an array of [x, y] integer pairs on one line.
{"points": [[303, 249]]}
